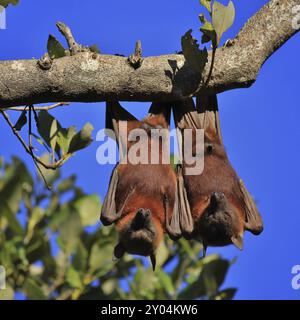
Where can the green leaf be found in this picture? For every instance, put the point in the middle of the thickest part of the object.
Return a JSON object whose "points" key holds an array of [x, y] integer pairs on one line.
{"points": [[209, 34], [5, 3], [73, 278], [67, 184], [21, 121], [53, 135], [49, 174], [33, 290], [55, 49], [35, 217], [80, 257], [100, 261], [16, 180], [12, 220], [94, 48], [227, 294], [88, 208], [222, 18], [70, 230], [206, 4], [195, 57], [64, 138], [7, 293], [47, 124], [166, 281], [82, 139]]}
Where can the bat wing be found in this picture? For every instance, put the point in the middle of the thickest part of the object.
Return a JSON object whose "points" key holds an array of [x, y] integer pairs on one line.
{"points": [[185, 214], [253, 221], [186, 117], [109, 211], [115, 116], [208, 114]]}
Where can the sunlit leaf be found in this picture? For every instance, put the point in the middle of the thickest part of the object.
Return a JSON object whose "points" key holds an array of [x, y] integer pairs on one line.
{"points": [[206, 4], [55, 49], [33, 290], [88, 208], [82, 139], [222, 18]]}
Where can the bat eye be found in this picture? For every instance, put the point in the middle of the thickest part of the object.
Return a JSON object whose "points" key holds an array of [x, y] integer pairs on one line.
{"points": [[210, 149]]}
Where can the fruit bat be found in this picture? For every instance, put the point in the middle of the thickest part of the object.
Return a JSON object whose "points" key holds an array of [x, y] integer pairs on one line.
{"points": [[142, 197], [215, 204]]}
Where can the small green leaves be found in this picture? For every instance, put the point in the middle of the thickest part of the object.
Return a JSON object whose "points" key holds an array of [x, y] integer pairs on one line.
{"points": [[82, 139], [206, 4], [208, 31], [88, 208], [195, 57], [5, 3], [73, 278], [55, 49], [63, 141], [222, 18], [94, 48]]}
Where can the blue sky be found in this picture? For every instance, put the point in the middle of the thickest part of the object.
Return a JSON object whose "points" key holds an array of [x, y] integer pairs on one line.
{"points": [[260, 125]]}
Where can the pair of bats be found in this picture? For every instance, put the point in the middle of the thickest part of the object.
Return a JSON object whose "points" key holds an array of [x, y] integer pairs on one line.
{"points": [[145, 201]]}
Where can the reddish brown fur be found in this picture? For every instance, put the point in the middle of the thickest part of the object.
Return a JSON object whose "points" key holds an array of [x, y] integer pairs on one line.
{"points": [[218, 176], [151, 183]]}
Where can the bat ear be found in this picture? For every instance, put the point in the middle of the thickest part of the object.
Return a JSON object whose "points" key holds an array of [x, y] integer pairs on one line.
{"points": [[253, 221], [238, 241], [119, 251], [153, 260], [108, 211]]}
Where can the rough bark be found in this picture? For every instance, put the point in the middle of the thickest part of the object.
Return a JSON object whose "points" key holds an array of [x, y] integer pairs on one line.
{"points": [[89, 77]]}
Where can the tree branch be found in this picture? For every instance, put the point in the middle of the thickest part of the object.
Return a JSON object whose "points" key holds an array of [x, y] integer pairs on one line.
{"points": [[89, 77]]}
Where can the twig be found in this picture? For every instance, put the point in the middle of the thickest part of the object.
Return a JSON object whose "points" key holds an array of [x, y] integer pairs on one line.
{"points": [[31, 147], [53, 166], [213, 56], [67, 33], [43, 108]]}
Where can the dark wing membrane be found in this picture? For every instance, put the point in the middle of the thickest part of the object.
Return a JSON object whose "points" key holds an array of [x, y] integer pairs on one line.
{"points": [[108, 211]]}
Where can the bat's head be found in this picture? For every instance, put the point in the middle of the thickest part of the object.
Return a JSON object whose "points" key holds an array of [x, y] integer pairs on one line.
{"points": [[139, 233], [221, 223]]}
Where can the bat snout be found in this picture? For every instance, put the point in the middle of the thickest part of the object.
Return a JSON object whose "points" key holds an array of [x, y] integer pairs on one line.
{"points": [[217, 196], [217, 201], [142, 219]]}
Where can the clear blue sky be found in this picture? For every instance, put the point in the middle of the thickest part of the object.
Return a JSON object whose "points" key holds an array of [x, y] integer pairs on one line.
{"points": [[260, 125]]}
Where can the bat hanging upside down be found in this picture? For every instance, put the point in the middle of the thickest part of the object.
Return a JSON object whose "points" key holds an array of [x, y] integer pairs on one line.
{"points": [[141, 199], [215, 204]]}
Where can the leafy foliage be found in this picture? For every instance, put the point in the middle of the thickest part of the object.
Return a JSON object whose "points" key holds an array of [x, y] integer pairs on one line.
{"points": [[55, 48], [5, 3], [49, 253], [222, 18]]}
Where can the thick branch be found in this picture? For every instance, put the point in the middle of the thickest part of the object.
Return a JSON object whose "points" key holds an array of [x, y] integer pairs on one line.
{"points": [[88, 77]]}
